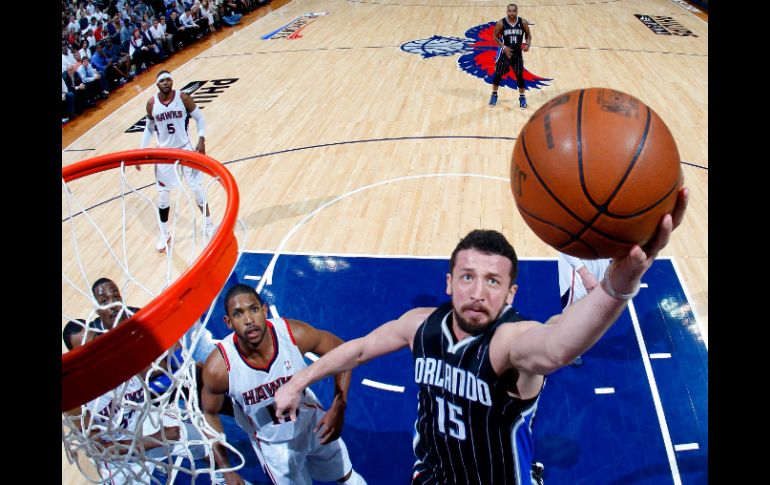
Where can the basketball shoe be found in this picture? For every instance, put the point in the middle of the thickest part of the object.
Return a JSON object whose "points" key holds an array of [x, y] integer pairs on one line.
{"points": [[493, 100], [522, 101]]}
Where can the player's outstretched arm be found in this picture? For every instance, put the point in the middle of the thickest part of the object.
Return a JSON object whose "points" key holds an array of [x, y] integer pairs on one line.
{"points": [[542, 349], [385, 339], [215, 385], [321, 342]]}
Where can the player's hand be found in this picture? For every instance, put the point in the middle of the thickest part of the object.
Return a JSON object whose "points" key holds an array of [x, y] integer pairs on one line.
{"points": [[287, 399], [507, 51], [332, 423], [201, 148], [524, 47], [626, 273]]}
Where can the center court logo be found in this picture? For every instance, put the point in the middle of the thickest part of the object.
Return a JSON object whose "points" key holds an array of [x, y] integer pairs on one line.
{"points": [[478, 51], [200, 94], [292, 29]]}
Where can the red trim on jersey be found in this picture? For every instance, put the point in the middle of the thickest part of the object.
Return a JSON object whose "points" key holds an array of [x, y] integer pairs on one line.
{"points": [[290, 333], [224, 355], [275, 350]]}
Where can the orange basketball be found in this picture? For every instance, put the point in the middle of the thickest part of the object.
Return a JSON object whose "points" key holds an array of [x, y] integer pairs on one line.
{"points": [[593, 172]]}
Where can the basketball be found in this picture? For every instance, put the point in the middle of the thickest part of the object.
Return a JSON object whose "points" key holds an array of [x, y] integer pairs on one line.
{"points": [[593, 171]]}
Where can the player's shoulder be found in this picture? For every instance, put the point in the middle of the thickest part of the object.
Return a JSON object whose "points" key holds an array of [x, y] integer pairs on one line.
{"points": [[298, 328], [417, 315], [514, 326], [215, 370]]}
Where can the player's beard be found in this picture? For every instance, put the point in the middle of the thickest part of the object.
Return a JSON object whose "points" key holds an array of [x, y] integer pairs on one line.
{"points": [[474, 328]]}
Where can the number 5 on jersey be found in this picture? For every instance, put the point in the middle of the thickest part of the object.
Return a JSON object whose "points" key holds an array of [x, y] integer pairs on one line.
{"points": [[169, 127], [456, 426]]}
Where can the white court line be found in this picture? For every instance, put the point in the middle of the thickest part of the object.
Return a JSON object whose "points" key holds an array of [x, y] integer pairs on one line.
{"points": [[662, 355], [175, 70], [655, 396], [267, 277], [252, 277], [703, 332], [274, 311], [687, 447], [380, 385], [311, 356], [174, 472], [604, 390], [643, 285]]}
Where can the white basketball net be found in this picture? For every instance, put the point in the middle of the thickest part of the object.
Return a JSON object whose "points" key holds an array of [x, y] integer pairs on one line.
{"points": [[141, 428]]}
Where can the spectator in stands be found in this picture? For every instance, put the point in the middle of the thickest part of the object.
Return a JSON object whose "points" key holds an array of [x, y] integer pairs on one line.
{"points": [[125, 33], [141, 55], [207, 12], [155, 46], [73, 25], [158, 31], [189, 24], [96, 85], [85, 51], [75, 85], [67, 58], [144, 8], [119, 58], [113, 29], [181, 34], [99, 31], [102, 63]]}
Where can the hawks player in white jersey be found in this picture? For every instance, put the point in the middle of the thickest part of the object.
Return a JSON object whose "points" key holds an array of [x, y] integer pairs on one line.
{"points": [[251, 364], [168, 115], [116, 415]]}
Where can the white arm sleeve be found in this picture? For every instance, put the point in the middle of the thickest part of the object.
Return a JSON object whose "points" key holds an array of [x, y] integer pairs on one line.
{"points": [[199, 122], [147, 136]]}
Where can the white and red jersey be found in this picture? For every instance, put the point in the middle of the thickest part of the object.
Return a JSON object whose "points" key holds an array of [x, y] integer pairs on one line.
{"points": [[118, 410], [252, 389], [171, 121]]}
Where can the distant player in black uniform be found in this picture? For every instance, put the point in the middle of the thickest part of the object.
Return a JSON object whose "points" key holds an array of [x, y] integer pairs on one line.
{"points": [[480, 367], [509, 32]]}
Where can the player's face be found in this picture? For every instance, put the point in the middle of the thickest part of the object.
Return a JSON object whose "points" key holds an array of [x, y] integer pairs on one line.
{"points": [[165, 85], [247, 318], [480, 286], [512, 12], [108, 294]]}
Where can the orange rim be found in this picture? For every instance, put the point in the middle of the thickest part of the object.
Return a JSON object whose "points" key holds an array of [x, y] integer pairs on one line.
{"points": [[102, 364]]}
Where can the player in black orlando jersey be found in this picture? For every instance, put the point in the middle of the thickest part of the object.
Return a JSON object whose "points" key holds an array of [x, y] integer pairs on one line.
{"points": [[480, 367], [509, 33]]}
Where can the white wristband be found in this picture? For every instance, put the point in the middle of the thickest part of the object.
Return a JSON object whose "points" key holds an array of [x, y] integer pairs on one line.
{"points": [[607, 287]]}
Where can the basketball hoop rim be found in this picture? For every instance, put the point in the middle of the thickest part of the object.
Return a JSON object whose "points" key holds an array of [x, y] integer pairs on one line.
{"points": [[102, 364]]}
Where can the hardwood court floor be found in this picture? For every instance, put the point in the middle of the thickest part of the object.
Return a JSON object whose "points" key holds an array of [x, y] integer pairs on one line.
{"points": [[397, 153]]}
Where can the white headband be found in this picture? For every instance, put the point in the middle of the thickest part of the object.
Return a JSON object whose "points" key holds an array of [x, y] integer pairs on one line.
{"points": [[163, 76]]}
